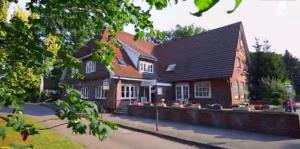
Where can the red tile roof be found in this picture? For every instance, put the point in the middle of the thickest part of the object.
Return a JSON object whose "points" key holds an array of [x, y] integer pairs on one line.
{"points": [[141, 46]]}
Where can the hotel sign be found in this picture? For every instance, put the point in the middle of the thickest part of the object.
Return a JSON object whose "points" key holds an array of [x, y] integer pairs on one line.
{"points": [[148, 83]]}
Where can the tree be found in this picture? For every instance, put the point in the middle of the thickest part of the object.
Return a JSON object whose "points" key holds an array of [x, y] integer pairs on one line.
{"points": [[179, 32], [264, 64], [271, 90], [292, 65], [47, 37]]}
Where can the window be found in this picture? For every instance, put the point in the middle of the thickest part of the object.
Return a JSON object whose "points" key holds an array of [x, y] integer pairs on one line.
{"points": [[236, 89], [182, 91], [84, 93], [241, 90], [146, 67], [129, 91], [202, 89], [90, 66], [171, 67], [100, 93]]}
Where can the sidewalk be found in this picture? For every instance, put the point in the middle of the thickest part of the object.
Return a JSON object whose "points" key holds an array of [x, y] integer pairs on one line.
{"points": [[206, 136]]}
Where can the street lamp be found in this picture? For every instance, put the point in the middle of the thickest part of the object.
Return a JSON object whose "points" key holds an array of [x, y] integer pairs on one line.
{"points": [[289, 91]]}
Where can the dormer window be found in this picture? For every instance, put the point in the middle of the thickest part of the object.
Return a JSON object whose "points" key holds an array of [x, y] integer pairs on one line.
{"points": [[90, 67], [171, 67], [146, 67]]}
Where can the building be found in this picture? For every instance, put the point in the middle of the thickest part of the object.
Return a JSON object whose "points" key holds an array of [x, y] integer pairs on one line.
{"points": [[210, 67]]}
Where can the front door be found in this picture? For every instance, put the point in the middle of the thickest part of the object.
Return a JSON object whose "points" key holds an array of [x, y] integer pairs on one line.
{"points": [[144, 94]]}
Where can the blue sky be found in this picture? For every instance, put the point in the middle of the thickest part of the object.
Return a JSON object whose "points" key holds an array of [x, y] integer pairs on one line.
{"points": [[275, 20]]}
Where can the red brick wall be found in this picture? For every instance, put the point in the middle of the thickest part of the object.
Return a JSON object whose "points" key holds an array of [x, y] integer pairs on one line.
{"points": [[122, 103], [100, 73], [220, 93], [109, 102], [239, 74], [284, 124]]}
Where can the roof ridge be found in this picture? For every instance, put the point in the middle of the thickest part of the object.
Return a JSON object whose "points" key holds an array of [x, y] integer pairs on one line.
{"points": [[201, 33]]}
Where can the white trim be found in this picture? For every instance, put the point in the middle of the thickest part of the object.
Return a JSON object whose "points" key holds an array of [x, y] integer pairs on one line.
{"points": [[130, 86], [100, 92], [163, 84], [90, 66], [131, 79], [182, 85], [209, 90], [146, 67], [86, 91]]}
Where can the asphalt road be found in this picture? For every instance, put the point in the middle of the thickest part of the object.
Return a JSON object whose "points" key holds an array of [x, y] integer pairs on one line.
{"points": [[119, 139]]}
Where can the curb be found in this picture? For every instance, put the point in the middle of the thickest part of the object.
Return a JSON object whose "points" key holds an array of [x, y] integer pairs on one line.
{"points": [[172, 138]]}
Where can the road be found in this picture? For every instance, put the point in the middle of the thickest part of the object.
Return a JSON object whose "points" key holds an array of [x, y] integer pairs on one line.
{"points": [[119, 139]]}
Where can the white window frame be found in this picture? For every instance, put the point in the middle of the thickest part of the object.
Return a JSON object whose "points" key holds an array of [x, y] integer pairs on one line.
{"points": [[133, 91], [90, 66], [182, 86], [242, 90], [84, 91], [146, 67], [100, 93], [199, 85]]}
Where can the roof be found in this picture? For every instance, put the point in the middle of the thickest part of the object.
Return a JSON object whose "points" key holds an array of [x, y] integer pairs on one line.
{"points": [[207, 55], [144, 48], [127, 70]]}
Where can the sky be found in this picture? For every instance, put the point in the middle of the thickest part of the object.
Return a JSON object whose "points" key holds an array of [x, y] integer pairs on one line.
{"points": [[275, 20]]}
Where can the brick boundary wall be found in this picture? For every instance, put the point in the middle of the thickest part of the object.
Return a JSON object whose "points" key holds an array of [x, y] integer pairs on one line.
{"points": [[277, 123]]}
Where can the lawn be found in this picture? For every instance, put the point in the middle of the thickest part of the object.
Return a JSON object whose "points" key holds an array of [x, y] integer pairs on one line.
{"points": [[47, 139]]}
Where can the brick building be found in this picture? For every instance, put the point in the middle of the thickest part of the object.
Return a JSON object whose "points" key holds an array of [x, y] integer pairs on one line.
{"points": [[206, 68]]}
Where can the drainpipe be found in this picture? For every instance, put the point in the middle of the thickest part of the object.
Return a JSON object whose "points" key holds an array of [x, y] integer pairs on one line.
{"points": [[150, 100]]}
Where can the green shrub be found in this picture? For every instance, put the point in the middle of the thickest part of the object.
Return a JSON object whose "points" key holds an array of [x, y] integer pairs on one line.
{"points": [[272, 89], [277, 102]]}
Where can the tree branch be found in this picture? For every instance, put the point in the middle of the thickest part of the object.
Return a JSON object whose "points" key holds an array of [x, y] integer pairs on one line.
{"points": [[50, 119], [52, 126]]}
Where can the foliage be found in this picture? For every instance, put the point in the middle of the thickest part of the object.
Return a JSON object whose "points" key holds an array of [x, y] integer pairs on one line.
{"points": [[292, 64], [277, 98], [269, 89], [179, 32], [74, 110], [265, 64], [205, 5]]}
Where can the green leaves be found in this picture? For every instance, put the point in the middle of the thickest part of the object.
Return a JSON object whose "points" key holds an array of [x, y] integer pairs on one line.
{"points": [[205, 5], [237, 4], [158, 4], [74, 109]]}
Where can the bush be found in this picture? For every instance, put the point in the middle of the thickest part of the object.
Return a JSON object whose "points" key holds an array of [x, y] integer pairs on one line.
{"points": [[272, 89], [276, 102]]}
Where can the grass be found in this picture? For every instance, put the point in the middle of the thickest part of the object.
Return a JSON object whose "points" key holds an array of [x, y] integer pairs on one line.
{"points": [[47, 139]]}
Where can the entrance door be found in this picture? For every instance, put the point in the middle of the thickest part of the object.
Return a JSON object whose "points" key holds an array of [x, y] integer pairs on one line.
{"points": [[144, 94]]}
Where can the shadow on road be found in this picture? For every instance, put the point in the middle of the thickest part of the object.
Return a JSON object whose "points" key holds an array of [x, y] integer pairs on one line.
{"points": [[32, 110]]}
